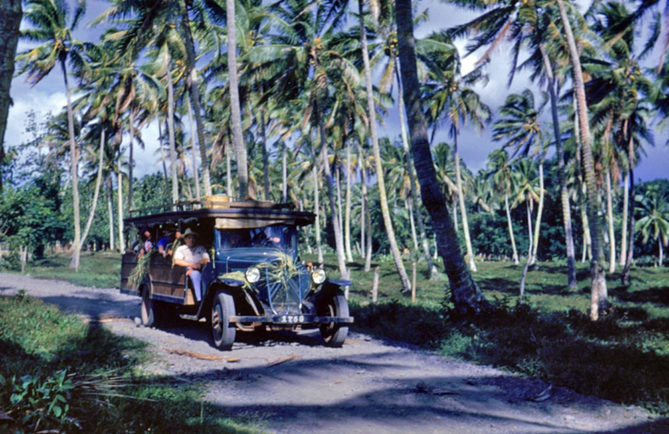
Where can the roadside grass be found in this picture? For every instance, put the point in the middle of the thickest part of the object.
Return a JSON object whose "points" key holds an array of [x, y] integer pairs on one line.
{"points": [[99, 269], [624, 357], [58, 373]]}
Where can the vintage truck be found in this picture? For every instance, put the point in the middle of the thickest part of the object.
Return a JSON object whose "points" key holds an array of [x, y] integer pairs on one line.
{"points": [[251, 283]]}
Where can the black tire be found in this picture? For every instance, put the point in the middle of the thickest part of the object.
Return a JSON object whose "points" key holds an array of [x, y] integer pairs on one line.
{"points": [[147, 310], [222, 331], [334, 334]]}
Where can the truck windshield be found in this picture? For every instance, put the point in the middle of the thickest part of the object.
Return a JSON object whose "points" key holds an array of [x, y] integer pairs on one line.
{"points": [[281, 237]]}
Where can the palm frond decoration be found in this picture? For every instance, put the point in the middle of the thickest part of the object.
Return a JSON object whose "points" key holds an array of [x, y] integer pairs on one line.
{"points": [[141, 270], [282, 269]]}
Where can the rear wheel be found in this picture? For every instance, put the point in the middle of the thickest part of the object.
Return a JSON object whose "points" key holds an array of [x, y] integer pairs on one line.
{"points": [[147, 309], [222, 331], [334, 334]]}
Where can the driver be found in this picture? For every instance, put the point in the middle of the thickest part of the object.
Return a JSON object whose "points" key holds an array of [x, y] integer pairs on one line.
{"points": [[194, 258]]}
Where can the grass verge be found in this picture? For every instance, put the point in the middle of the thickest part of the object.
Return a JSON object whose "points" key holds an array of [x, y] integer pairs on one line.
{"points": [[57, 373]]}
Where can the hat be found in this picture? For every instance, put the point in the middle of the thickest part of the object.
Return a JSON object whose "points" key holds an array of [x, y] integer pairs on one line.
{"points": [[188, 232]]}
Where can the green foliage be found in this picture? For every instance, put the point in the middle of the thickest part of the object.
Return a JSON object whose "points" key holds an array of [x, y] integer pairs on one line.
{"points": [[57, 373]]}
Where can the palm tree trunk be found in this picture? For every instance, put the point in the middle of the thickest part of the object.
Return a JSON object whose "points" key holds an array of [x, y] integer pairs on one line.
{"points": [[110, 209], [265, 156], [564, 193], [347, 217], [463, 210], [660, 251], [530, 237], [98, 182], [121, 241], [284, 173], [465, 294], [454, 208], [365, 227], [172, 140], [162, 150], [339, 207], [609, 217], [329, 180], [529, 260], [623, 235], [228, 170], [10, 20], [598, 299], [235, 114], [412, 224], [625, 278], [380, 182], [510, 225], [196, 176], [317, 225], [194, 93], [432, 269], [587, 245], [540, 209], [74, 172]]}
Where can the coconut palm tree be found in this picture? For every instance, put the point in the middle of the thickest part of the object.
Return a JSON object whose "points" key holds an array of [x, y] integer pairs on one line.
{"points": [[9, 38], [371, 110], [452, 100], [465, 294], [654, 208], [522, 131], [51, 27], [599, 298], [504, 181]]}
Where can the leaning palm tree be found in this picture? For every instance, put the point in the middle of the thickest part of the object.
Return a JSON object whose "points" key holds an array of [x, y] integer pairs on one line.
{"points": [[48, 20], [465, 293], [383, 199], [599, 297]]}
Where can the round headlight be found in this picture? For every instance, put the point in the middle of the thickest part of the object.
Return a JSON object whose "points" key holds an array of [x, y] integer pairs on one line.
{"points": [[318, 276], [252, 274]]}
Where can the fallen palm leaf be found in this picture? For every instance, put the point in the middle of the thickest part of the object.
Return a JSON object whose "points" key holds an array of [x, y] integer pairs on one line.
{"points": [[196, 355], [283, 360], [5, 416]]}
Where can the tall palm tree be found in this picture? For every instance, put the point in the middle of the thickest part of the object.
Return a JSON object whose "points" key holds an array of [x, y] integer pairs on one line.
{"points": [[503, 180], [371, 110], [50, 28], [9, 38], [452, 100], [465, 293], [654, 207], [522, 131], [599, 297]]}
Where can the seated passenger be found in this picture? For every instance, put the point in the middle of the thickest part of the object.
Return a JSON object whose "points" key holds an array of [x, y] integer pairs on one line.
{"points": [[194, 258], [148, 244], [164, 242]]}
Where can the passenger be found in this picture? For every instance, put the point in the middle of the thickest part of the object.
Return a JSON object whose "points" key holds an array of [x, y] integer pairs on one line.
{"points": [[164, 242], [148, 244], [194, 258]]}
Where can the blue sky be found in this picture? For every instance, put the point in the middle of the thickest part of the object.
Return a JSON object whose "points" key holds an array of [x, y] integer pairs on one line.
{"points": [[49, 96]]}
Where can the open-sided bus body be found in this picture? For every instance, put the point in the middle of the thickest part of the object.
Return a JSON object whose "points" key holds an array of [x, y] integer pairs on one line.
{"points": [[254, 279]]}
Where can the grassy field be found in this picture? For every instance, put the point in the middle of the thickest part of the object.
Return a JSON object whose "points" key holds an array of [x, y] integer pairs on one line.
{"points": [[624, 357], [57, 373]]}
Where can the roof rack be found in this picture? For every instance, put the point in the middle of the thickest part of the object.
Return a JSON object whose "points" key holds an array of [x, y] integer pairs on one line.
{"points": [[210, 202]]}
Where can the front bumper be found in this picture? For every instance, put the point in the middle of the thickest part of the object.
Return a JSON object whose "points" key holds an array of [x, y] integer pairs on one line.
{"points": [[291, 319]]}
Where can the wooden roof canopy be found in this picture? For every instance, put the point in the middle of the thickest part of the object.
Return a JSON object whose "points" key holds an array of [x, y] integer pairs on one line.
{"points": [[220, 212]]}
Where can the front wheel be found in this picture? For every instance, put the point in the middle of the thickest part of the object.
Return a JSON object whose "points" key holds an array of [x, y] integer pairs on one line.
{"points": [[334, 334], [222, 331]]}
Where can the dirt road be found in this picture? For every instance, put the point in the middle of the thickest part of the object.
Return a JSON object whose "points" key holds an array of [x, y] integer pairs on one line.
{"points": [[293, 384]]}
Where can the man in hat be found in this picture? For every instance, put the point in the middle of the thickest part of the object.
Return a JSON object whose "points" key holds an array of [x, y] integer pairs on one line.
{"points": [[193, 258]]}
